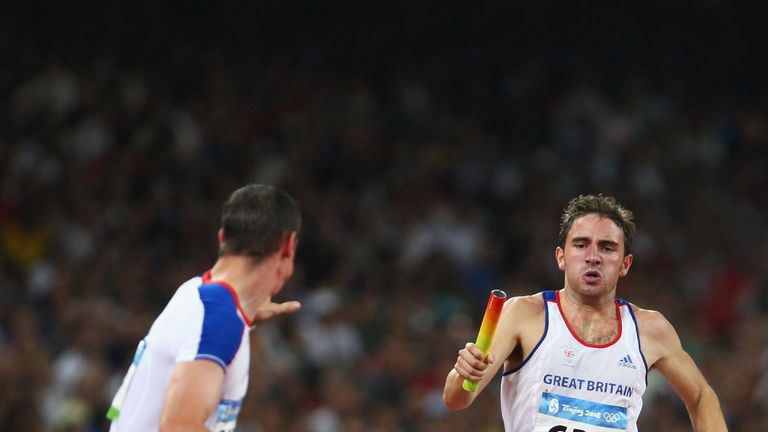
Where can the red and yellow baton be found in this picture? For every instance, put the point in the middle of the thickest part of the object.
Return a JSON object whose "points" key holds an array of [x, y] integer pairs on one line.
{"points": [[487, 329]]}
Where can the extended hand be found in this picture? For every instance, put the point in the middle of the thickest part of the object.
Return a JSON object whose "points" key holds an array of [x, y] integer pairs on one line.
{"points": [[470, 364], [270, 309]]}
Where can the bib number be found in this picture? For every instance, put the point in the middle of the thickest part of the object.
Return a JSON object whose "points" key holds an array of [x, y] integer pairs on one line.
{"points": [[565, 414], [562, 428]]}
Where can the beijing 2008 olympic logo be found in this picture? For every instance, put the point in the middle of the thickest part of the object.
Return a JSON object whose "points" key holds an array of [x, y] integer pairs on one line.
{"points": [[611, 417], [554, 406]]}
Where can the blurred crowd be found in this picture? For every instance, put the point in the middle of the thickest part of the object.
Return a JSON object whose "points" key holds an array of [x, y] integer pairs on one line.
{"points": [[423, 186]]}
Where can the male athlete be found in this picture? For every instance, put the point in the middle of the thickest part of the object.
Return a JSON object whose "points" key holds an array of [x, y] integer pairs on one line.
{"points": [[190, 373], [576, 359]]}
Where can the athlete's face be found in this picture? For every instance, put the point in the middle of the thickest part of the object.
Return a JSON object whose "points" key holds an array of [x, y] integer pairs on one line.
{"points": [[593, 256]]}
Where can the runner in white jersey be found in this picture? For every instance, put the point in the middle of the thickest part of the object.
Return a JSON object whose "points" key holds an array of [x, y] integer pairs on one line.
{"points": [[576, 359], [568, 382], [190, 372], [203, 321]]}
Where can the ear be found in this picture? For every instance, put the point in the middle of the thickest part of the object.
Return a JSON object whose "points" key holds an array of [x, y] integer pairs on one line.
{"points": [[560, 257], [288, 247], [221, 237], [626, 264]]}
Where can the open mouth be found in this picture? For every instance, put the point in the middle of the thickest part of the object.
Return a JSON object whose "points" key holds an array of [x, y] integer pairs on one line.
{"points": [[591, 276]]}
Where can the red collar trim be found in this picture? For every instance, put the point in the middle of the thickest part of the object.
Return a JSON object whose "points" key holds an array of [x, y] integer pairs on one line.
{"points": [[232, 292], [573, 333]]}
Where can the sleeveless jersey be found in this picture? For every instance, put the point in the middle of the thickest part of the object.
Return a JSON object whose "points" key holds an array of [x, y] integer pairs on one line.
{"points": [[568, 385], [203, 320]]}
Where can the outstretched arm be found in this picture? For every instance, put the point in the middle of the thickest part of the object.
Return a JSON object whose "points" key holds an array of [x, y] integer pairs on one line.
{"points": [[516, 318], [681, 372]]}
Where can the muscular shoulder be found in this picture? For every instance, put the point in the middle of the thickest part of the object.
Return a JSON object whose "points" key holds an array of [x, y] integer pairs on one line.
{"points": [[523, 314], [657, 335], [521, 324], [524, 306], [652, 322]]}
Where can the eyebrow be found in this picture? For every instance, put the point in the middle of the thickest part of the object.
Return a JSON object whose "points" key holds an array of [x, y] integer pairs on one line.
{"points": [[599, 242]]}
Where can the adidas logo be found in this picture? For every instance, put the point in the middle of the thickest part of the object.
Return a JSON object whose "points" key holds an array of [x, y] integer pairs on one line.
{"points": [[627, 362]]}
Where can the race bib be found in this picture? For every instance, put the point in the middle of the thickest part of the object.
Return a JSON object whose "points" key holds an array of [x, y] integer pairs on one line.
{"points": [[226, 416], [565, 414]]}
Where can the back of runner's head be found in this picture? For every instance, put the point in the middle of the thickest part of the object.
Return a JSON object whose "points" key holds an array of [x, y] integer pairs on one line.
{"points": [[256, 219]]}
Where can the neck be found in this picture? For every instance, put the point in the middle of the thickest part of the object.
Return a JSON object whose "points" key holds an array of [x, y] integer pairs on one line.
{"points": [[594, 321], [250, 282], [597, 304]]}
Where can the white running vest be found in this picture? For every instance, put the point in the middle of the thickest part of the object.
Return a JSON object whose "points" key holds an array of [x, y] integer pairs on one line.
{"points": [[568, 385], [203, 320]]}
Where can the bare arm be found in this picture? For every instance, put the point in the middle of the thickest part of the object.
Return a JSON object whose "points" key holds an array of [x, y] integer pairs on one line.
{"points": [[680, 371], [194, 390], [516, 316]]}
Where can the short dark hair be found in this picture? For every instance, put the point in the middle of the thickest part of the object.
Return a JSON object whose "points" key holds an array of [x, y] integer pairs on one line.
{"points": [[602, 205], [256, 218]]}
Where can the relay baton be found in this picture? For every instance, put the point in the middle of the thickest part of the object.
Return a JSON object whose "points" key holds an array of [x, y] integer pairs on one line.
{"points": [[487, 329]]}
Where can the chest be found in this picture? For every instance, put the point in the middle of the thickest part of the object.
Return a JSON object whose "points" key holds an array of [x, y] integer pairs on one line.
{"points": [[595, 332], [612, 354]]}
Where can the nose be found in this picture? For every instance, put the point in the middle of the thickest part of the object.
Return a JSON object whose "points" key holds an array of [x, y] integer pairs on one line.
{"points": [[593, 258]]}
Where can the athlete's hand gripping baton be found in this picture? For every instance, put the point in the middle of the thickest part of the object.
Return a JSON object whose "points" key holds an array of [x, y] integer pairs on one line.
{"points": [[487, 329]]}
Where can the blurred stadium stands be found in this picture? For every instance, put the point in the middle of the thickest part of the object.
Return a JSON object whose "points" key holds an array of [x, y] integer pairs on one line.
{"points": [[431, 149]]}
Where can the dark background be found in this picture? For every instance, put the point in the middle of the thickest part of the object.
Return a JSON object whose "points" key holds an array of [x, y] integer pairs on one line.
{"points": [[431, 148]]}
